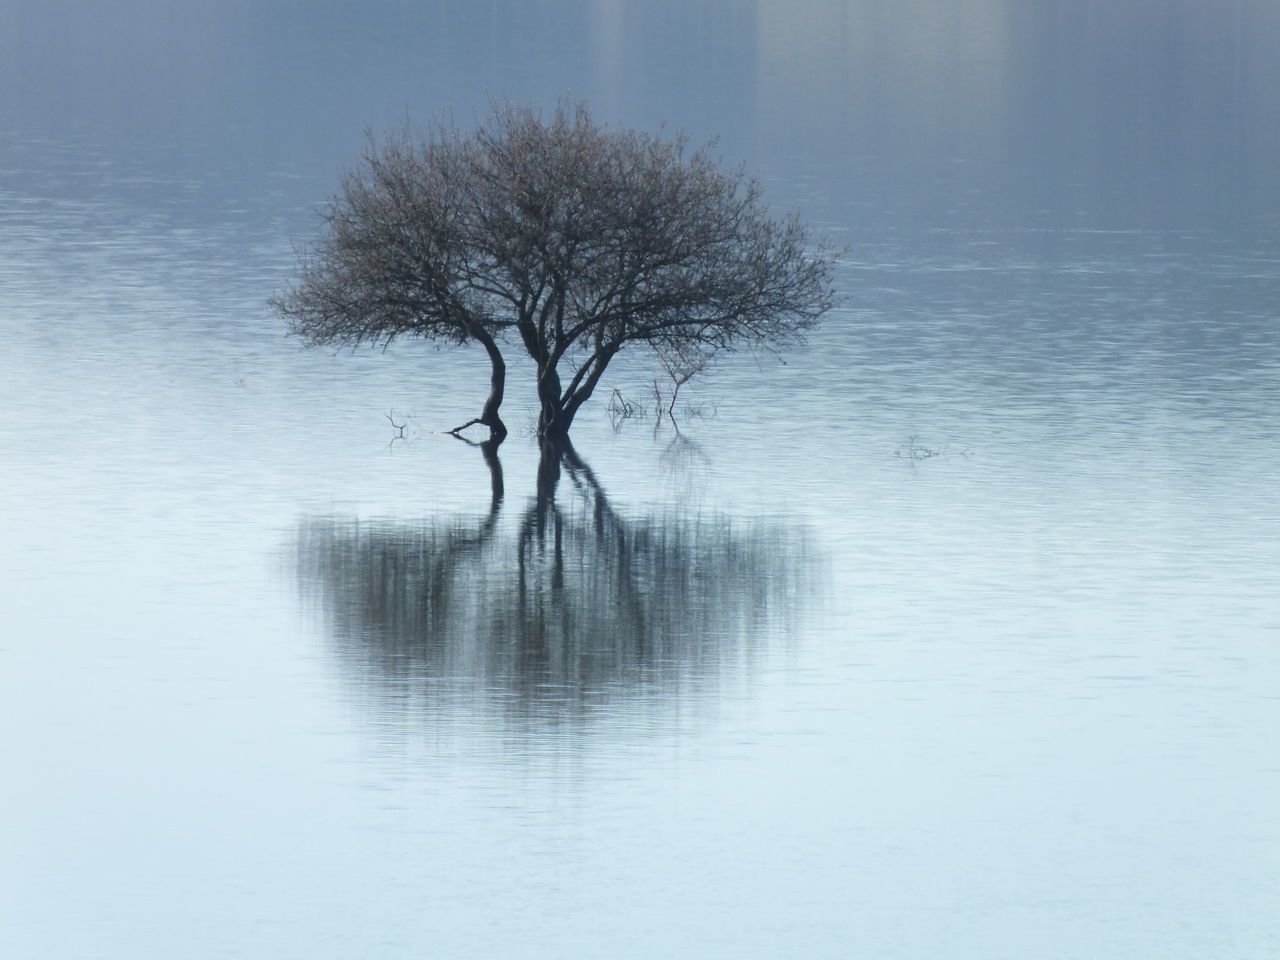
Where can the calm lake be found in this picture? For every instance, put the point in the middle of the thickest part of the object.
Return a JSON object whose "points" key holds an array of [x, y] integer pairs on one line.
{"points": [[953, 634]]}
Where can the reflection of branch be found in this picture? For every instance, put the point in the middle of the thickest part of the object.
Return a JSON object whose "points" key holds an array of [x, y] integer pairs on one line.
{"points": [[583, 478], [683, 453], [489, 450], [571, 603]]}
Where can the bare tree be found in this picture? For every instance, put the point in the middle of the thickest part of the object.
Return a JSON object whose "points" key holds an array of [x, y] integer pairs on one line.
{"points": [[569, 238]]}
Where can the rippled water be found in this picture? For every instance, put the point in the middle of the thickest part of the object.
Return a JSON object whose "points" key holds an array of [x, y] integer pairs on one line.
{"points": [[953, 634]]}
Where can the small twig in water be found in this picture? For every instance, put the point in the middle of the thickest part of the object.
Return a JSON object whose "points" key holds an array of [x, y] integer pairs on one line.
{"points": [[915, 450], [620, 409]]}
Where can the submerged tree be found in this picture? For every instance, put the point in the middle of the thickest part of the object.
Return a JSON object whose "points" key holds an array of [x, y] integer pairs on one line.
{"points": [[569, 238]]}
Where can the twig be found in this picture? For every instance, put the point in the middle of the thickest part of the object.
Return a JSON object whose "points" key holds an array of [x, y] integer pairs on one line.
{"points": [[457, 430]]}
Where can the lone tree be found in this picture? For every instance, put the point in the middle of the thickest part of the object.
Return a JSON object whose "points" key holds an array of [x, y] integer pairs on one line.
{"points": [[557, 233]]}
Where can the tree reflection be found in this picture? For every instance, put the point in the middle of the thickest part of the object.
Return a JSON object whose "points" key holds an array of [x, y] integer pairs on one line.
{"points": [[563, 609]]}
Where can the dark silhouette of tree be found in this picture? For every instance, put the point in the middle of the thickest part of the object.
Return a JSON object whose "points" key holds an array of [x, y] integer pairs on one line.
{"points": [[564, 606], [570, 239]]}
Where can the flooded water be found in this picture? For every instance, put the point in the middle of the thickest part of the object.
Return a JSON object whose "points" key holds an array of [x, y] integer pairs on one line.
{"points": [[955, 633]]}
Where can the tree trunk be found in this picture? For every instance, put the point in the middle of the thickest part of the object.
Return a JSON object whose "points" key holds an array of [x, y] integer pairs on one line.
{"points": [[497, 388], [559, 410], [553, 419], [585, 387], [553, 425]]}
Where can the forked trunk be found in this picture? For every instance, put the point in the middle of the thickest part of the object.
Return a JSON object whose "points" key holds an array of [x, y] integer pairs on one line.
{"points": [[553, 424], [553, 419], [558, 410]]}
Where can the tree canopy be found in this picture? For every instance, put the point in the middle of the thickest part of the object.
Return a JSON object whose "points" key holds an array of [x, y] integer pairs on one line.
{"points": [[559, 236]]}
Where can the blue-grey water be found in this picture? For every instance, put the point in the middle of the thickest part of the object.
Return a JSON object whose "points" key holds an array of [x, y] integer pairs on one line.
{"points": [[955, 634]]}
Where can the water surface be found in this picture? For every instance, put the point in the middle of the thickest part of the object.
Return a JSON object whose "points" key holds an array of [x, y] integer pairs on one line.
{"points": [[953, 635]]}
